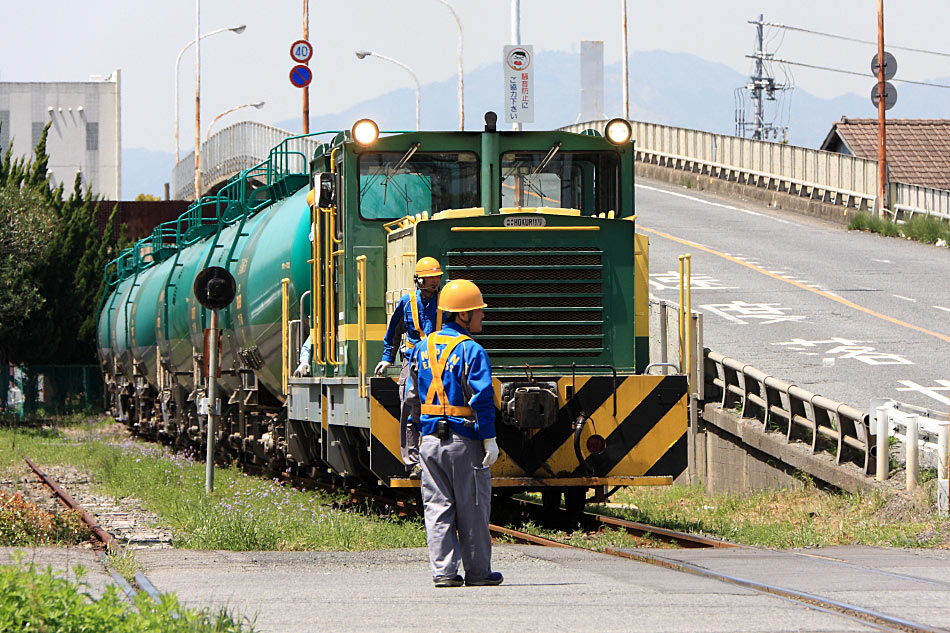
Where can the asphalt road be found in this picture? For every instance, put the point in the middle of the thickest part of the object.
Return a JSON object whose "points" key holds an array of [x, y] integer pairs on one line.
{"points": [[845, 314]]}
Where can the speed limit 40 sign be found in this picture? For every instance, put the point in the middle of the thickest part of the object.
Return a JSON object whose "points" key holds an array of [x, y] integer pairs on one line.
{"points": [[301, 51]]}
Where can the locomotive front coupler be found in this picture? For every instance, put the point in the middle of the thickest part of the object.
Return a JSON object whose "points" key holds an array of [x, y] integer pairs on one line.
{"points": [[573, 367]]}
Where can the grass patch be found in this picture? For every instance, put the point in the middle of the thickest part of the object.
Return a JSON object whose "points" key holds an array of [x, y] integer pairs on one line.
{"points": [[124, 563], [23, 523], [244, 512], [922, 228], [809, 517], [42, 600]]}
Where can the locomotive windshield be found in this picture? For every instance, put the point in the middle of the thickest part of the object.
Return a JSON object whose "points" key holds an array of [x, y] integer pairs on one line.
{"points": [[589, 181], [396, 184]]}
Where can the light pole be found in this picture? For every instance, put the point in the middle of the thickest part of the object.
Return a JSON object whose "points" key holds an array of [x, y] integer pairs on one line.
{"points": [[365, 54], [625, 53], [235, 29], [258, 105], [461, 76], [516, 37]]}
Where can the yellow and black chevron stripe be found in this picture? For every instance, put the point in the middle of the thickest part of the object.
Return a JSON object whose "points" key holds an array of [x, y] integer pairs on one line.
{"points": [[643, 419]]}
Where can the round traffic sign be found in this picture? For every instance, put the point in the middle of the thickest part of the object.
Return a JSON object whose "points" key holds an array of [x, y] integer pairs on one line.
{"points": [[890, 66], [300, 75], [890, 95], [301, 51]]}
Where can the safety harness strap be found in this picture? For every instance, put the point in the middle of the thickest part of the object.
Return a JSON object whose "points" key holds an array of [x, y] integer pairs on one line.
{"points": [[414, 302], [437, 365]]}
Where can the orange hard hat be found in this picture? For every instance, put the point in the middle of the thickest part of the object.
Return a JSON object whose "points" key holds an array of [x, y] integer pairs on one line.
{"points": [[461, 295], [428, 267]]}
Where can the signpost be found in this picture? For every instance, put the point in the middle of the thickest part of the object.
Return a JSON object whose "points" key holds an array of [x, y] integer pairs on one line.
{"points": [[214, 289], [300, 75], [519, 84]]}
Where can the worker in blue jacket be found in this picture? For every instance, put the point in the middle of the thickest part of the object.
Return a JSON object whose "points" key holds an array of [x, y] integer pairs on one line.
{"points": [[416, 315], [450, 391]]}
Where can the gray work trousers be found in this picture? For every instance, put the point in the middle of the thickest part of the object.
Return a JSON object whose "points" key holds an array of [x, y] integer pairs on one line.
{"points": [[408, 434], [456, 493]]}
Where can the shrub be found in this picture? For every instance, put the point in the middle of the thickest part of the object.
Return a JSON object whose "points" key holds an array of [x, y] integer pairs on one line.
{"points": [[23, 523], [35, 600]]}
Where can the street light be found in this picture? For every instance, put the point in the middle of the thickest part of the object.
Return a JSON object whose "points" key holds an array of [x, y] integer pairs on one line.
{"points": [[258, 105], [461, 77], [365, 54], [236, 29]]}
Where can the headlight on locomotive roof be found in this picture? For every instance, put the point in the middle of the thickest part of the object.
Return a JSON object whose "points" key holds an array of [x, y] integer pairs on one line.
{"points": [[618, 131], [365, 132]]}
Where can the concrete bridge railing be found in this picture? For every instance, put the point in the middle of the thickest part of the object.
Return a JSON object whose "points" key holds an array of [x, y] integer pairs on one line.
{"points": [[828, 177], [231, 150]]}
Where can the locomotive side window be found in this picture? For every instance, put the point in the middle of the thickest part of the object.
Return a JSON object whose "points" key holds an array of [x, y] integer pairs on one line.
{"points": [[396, 184], [589, 181]]}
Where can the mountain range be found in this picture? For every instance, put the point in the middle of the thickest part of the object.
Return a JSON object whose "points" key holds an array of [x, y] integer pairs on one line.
{"points": [[670, 88]]}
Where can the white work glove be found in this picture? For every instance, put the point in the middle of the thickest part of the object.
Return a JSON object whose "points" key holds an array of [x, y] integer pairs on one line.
{"points": [[303, 369], [382, 367], [491, 452]]}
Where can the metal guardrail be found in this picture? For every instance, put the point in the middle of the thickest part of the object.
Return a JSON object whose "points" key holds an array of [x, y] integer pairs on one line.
{"points": [[819, 175], [910, 200], [800, 414], [233, 149]]}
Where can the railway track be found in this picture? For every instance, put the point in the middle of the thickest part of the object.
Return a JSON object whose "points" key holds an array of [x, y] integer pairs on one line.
{"points": [[108, 540]]}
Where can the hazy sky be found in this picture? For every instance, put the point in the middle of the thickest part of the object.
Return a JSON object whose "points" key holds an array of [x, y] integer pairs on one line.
{"points": [[60, 40]]}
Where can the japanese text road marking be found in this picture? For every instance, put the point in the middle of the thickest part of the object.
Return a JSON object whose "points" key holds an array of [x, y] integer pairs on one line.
{"points": [[827, 295]]}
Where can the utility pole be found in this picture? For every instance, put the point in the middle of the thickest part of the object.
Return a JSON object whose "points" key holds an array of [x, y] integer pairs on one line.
{"points": [[881, 127], [306, 89], [197, 100], [626, 54], [761, 86], [516, 38]]}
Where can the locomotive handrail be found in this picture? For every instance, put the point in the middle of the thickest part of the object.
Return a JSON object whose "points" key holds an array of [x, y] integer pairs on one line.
{"points": [[361, 322], [781, 406]]}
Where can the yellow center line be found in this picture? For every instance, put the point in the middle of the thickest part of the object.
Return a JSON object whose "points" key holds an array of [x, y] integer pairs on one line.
{"points": [[827, 295]]}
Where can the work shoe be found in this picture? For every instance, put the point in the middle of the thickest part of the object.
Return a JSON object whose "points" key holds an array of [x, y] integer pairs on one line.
{"points": [[415, 472], [494, 578], [450, 581]]}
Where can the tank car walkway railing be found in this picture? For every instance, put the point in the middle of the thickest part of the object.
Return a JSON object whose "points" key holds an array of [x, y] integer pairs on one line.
{"points": [[230, 151], [796, 412]]}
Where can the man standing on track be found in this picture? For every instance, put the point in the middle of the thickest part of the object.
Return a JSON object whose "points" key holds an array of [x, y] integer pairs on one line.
{"points": [[417, 315], [450, 390]]}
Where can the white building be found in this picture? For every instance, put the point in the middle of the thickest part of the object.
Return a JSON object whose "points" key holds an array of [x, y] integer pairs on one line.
{"points": [[85, 132]]}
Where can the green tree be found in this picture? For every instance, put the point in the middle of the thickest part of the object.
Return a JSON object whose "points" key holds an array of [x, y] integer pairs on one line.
{"points": [[146, 197]]}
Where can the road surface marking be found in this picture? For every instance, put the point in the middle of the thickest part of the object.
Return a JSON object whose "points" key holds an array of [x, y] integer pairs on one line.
{"points": [[905, 298], [715, 204], [827, 295], [882, 261], [942, 385], [942, 308]]}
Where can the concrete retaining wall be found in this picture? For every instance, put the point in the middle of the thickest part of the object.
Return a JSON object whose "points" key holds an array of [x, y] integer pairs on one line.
{"points": [[775, 199]]}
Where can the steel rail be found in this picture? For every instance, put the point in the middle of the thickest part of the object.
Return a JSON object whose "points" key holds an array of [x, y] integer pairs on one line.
{"points": [[869, 616], [65, 498]]}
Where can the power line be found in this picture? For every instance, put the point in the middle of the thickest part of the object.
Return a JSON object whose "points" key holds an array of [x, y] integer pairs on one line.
{"points": [[852, 39], [851, 72]]}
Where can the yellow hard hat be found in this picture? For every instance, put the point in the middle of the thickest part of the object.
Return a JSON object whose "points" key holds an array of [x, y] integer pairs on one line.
{"points": [[461, 295], [428, 267]]}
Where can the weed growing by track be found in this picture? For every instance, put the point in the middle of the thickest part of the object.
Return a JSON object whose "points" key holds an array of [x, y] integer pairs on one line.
{"points": [[32, 599], [23, 523], [809, 517], [244, 513], [922, 228]]}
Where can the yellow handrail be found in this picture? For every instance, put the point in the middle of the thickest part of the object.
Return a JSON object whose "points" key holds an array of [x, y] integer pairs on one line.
{"points": [[361, 321], [316, 306], [686, 315], [329, 269], [285, 317]]}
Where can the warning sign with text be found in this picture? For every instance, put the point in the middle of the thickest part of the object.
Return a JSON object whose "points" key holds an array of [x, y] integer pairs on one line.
{"points": [[519, 87]]}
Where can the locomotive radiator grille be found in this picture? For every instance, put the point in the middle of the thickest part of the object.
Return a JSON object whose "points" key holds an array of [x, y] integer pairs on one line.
{"points": [[541, 301]]}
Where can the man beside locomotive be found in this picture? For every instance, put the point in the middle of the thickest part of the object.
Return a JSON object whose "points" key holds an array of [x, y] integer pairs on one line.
{"points": [[458, 444], [417, 315]]}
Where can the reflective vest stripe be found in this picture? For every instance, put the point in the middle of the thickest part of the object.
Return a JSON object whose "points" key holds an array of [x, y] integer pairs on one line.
{"points": [[437, 367], [438, 409], [414, 303]]}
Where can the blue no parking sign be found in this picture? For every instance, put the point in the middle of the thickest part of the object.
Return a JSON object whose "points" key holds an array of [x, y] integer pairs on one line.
{"points": [[300, 76]]}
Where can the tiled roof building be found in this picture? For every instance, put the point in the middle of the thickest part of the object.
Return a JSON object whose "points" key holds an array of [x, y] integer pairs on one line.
{"points": [[918, 150]]}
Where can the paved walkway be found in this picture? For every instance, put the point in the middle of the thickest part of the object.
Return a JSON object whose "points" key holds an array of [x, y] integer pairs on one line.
{"points": [[547, 589]]}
